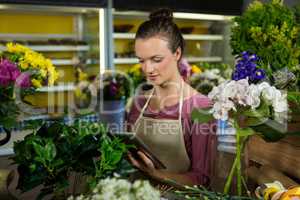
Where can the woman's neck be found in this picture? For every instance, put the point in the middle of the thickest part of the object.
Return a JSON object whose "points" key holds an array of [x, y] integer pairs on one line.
{"points": [[169, 92]]}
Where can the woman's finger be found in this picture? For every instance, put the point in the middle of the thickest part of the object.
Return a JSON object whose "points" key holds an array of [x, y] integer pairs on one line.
{"points": [[146, 160], [133, 161]]}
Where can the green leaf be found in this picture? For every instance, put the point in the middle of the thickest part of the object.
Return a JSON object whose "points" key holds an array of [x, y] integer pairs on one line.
{"points": [[271, 130], [201, 115], [244, 132], [50, 150]]}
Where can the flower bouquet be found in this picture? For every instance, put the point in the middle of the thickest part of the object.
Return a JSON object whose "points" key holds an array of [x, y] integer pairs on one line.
{"points": [[272, 31], [248, 102], [22, 71], [121, 189]]}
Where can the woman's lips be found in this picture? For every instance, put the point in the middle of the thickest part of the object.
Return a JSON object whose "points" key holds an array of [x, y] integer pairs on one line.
{"points": [[152, 77]]}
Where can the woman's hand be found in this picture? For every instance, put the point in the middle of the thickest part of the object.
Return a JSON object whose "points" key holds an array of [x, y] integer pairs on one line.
{"points": [[144, 163]]}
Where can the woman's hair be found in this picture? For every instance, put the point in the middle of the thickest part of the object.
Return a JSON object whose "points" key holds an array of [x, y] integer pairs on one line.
{"points": [[161, 23]]}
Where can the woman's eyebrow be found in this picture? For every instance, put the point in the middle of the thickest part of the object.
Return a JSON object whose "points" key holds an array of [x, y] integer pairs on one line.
{"points": [[155, 56]]}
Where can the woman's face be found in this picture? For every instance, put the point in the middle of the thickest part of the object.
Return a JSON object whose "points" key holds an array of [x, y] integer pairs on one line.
{"points": [[158, 62]]}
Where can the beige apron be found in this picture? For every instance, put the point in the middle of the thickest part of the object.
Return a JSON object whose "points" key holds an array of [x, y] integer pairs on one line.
{"points": [[165, 138]]}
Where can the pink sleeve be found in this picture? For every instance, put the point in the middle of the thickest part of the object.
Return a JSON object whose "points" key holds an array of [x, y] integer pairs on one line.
{"points": [[200, 141]]}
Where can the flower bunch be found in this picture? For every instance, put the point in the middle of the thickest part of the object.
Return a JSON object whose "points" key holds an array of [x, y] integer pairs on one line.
{"points": [[232, 95], [21, 67], [205, 81], [136, 75], [246, 67], [120, 189], [18, 59], [116, 86]]}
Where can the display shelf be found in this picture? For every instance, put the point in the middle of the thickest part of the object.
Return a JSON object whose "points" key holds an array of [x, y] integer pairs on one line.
{"points": [[58, 62], [126, 60], [177, 15], [185, 36], [55, 48], [204, 59], [189, 59], [57, 88]]}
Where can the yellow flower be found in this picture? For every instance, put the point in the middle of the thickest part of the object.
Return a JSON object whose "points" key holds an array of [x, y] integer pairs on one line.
{"points": [[43, 73], [78, 92], [36, 83], [16, 48], [81, 75], [53, 76], [23, 64], [196, 69]]}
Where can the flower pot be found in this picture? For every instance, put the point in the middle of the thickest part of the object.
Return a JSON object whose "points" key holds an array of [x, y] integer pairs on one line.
{"points": [[112, 113]]}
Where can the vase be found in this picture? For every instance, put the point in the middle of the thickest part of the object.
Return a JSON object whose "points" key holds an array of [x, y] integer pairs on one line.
{"points": [[112, 113], [226, 136]]}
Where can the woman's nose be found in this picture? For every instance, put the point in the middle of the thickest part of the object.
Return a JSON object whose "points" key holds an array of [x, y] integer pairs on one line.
{"points": [[148, 67]]}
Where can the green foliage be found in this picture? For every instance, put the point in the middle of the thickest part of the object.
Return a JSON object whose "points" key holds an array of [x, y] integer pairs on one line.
{"points": [[8, 108], [201, 193], [270, 31], [48, 155], [202, 115]]}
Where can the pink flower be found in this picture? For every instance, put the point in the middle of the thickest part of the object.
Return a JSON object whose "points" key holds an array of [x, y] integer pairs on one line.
{"points": [[9, 72], [23, 80], [184, 69]]}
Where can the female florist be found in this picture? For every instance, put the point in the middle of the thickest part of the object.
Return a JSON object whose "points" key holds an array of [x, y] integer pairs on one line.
{"points": [[192, 106]]}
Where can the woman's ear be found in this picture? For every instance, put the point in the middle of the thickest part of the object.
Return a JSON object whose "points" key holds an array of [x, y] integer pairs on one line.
{"points": [[177, 54]]}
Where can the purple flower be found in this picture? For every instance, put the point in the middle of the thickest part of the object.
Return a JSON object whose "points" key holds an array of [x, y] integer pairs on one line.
{"points": [[9, 72], [113, 88], [184, 69], [23, 81], [257, 75], [246, 67]]}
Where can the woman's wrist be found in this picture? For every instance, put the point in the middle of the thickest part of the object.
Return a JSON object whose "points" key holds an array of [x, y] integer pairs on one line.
{"points": [[158, 174]]}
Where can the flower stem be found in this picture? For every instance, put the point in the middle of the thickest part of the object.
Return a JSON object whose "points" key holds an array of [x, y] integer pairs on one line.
{"points": [[229, 179], [238, 165]]}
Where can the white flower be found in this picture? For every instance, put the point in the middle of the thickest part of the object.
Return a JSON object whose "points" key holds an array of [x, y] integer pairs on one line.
{"points": [[120, 189], [280, 102], [253, 97]]}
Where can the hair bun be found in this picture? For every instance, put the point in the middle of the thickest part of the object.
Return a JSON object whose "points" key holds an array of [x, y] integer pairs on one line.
{"points": [[162, 13]]}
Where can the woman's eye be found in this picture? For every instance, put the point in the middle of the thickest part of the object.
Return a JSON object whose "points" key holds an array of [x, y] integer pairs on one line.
{"points": [[157, 60], [141, 61]]}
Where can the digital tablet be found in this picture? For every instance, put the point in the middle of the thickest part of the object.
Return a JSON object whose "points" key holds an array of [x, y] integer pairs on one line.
{"points": [[130, 138]]}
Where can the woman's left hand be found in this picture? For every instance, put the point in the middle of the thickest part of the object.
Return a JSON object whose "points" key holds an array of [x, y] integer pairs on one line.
{"points": [[144, 164]]}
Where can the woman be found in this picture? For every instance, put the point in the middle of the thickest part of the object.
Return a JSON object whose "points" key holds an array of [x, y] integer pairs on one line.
{"points": [[161, 117]]}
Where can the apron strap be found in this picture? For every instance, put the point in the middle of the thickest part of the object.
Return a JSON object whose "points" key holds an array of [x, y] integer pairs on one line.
{"points": [[145, 106], [180, 104]]}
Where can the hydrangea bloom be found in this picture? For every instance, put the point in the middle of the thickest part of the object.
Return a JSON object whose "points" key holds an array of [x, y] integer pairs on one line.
{"points": [[228, 95]]}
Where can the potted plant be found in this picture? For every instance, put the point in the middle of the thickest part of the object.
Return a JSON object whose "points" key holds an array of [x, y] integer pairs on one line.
{"points": [[48, 156]]}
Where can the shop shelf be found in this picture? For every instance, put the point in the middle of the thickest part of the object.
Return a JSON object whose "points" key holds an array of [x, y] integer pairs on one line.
{"points": [[50, 48], [126, 60], [177, 15], [58, 62], [189, 59], [185, 36], [57, 88], [204, 59]]}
